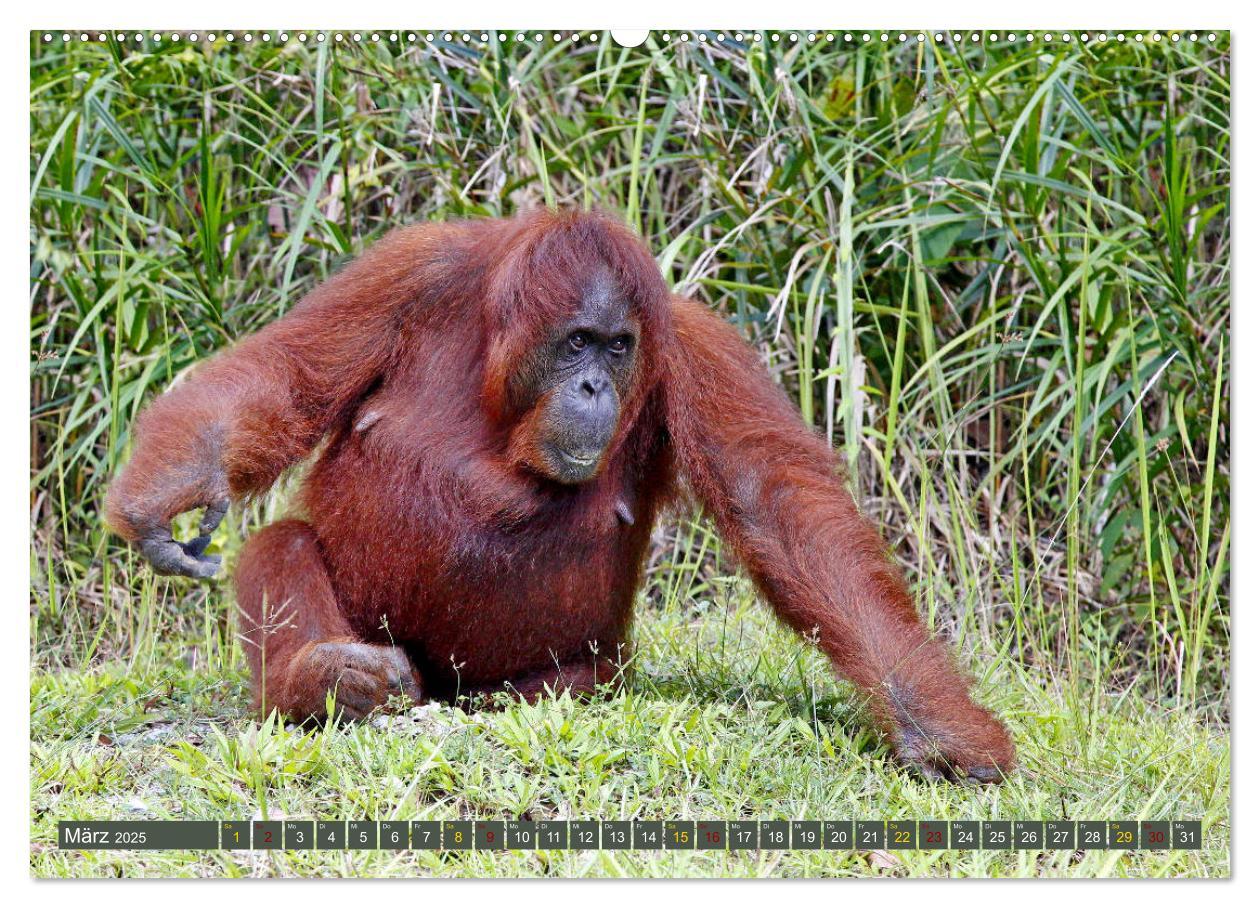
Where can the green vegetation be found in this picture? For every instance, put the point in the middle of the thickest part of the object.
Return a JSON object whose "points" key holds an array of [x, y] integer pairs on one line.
{"points": [[995, 274], [729, 718]]}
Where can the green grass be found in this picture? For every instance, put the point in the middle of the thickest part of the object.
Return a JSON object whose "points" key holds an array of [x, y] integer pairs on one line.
{"points": [[726, 718], [995, 275]]}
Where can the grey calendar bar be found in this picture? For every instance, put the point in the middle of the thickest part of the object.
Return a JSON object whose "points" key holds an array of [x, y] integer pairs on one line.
{"points": [[141, 835], [631, 835]]}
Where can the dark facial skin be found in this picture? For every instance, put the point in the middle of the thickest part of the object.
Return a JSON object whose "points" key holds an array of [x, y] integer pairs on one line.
{"points": [[585, 370]]}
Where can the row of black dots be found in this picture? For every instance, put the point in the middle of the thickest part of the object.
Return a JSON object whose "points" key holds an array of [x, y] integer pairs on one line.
{"points": [[684, 38], [319, 37]]}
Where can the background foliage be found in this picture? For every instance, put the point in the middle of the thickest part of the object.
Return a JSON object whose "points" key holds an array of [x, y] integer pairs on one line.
{"points": [[965, 262]]}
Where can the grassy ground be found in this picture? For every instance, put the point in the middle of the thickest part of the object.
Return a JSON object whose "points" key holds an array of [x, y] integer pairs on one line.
{"points": [[995, 274], [727, 718]]}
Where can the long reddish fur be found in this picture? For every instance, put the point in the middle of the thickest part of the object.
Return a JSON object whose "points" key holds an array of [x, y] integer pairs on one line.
{"points": [[423, 525]]}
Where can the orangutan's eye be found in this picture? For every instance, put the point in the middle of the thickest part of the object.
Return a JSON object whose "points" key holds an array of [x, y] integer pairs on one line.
{"points": [[619, 345], [578, 340]]}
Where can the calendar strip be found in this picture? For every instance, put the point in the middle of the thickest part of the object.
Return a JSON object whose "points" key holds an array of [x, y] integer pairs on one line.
{"points": [[631, 835]]}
